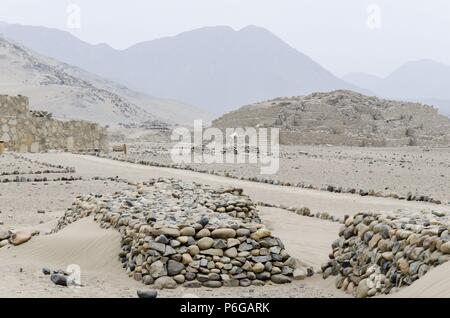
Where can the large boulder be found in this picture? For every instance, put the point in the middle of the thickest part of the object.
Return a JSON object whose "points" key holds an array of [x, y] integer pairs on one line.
{"points": [[165, 282], [20, 237]]}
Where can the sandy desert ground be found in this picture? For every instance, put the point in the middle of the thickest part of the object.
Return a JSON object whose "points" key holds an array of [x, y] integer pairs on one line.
{"points": [[37, 205], [401, 170]]}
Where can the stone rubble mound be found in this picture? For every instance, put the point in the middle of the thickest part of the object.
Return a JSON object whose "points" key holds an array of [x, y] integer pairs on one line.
{"points": [[344, 117], [376, 254], [177, 233]]}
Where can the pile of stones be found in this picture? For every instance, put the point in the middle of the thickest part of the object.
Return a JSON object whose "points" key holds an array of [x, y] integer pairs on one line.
{"points": [[372, 193], [234, 203], [378, 253], [177, 233], [18, 179], [45, 171], [304, 211]]}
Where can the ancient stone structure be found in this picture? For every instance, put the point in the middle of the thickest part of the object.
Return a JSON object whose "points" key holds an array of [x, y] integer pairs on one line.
{"points": [[377, 253], [22, 130], [344, 118], [177, 233]]}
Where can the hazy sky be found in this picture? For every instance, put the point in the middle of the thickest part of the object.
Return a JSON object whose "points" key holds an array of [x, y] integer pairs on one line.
{"points": [[344, 36]]}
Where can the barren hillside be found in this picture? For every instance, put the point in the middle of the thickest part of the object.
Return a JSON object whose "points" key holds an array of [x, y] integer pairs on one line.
{"points": [[216, 68], [69, 92]]}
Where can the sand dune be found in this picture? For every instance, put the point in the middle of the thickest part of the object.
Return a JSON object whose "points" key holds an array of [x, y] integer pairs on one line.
{"points": [[83, 243], [96, 250], [436, 283], [308, 239]]}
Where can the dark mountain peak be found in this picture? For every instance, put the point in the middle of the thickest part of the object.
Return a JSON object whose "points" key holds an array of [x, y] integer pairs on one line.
{"points": [[216, 67]]}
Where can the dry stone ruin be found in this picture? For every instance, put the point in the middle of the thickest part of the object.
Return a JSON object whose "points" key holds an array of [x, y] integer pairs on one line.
{"points": [[344, 118], [176, 233], [24, 130], [377, 253]]}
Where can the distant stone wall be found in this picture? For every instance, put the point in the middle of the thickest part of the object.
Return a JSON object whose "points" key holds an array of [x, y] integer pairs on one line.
{"points": [[24, 132]]}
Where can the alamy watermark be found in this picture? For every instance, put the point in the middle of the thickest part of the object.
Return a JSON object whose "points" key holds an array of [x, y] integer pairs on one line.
{"points": [[238, 145], [73, 20], [374, 16], [74, 275]]}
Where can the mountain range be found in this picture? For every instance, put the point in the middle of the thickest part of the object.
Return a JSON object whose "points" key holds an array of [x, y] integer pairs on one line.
{"points": [[424, 81], [219, 69], [215, 68]]}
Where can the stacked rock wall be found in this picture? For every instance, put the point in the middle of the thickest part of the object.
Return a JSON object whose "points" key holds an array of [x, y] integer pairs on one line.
{"points": [[22, 131], [375, 253], [176, 233]]}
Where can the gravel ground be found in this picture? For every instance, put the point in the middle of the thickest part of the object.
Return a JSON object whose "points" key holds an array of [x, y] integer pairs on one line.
{"points": [[96, 249], [419, 170], [21, 267]]}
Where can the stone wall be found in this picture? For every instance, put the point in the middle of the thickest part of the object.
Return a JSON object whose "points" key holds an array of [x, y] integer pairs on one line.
{"points": [[22, 131], [177, 233], [377, 253]]}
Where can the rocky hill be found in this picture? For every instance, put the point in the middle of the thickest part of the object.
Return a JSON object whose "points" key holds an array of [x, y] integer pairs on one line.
{"points": [[71, 93], [344, 118]]}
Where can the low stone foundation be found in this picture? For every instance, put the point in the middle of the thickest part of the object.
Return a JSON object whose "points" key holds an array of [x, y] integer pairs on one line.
{"points": [[375, 254], [26, 131], [177, 233]]}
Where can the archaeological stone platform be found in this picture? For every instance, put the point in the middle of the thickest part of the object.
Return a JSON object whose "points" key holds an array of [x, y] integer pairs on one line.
{"points": [[24, 130]]}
